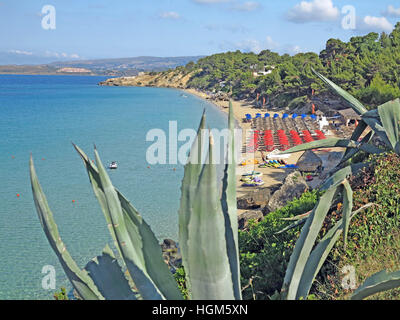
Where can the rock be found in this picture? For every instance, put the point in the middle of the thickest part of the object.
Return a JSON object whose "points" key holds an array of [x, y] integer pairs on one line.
{"points": [[254, 199], [171, 254], [293, 187], [245, 217], [169, 244]]}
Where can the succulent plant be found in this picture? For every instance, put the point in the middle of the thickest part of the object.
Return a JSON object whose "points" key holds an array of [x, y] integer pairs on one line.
{"points": [[305, 262], [208, 235]]}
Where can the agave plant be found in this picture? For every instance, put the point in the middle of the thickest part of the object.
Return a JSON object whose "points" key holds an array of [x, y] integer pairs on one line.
{"points": [[305, 262], [208, 235]]}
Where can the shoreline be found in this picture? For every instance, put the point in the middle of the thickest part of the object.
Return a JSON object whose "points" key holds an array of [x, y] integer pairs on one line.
{"points": [[271, 176]]}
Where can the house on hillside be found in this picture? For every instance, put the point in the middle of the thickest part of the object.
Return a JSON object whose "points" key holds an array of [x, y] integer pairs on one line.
{"points": [[263, 72]]}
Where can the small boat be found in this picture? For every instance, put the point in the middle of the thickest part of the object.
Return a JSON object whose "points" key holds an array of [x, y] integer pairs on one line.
{"points": [[113, 165]]}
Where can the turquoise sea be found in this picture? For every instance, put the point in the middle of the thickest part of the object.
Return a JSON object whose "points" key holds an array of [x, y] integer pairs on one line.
{"points": [[42, 115]]}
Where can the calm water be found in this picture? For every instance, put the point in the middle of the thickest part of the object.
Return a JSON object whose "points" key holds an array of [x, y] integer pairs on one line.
{"points": [[42, 115]]}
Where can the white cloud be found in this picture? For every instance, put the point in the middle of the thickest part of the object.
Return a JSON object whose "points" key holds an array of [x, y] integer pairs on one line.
{"points": [[376, 24], [21, 52], [391, 11], [246, 6], [63, 55], [256, 46], [170, 15], [316, 10]]}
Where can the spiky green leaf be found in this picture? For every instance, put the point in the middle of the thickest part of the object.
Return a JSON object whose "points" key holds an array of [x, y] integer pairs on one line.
{"points": [[347, 209], [229, 206], [190, 180], [337, 178], [207, 258], [320, 253], [148, 251], [80, 280], [129, 244], [304, 244], [109, 278], [380, 281], [325, 143], [353, 102], [390, 116]]}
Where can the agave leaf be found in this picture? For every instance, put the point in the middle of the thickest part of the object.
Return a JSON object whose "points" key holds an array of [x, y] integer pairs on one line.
{"points": [[298, 217], [377, 127], [189, 184], [351, 152], [80, 280], [229, 207], [320, 253], [304, 244], [325, 143], [354, 103], [371, 114], [98, 191], [139, 232], [207, 258], [151, 251], [380, 281], [390, 116], [109, 278], [347, 208], [315, 262], [293, 225], [358, 131], [337, 178], [131, 248]]}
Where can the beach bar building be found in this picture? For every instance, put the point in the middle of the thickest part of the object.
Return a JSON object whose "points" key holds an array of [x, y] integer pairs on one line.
{"points": [[348, 116], [309, 163]]}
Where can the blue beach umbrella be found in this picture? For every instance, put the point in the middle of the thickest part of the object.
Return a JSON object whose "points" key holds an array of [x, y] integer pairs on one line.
{"points": [[276, 115], [267, 115]]}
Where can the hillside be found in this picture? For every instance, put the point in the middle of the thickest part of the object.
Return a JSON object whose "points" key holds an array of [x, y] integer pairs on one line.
{"points": [[108, 67], [367, 66]]}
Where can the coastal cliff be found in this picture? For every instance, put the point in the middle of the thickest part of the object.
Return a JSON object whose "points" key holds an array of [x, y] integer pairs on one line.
{"points": [[167, 79]]}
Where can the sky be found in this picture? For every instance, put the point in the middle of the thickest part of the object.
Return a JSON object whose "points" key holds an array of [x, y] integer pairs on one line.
{"points": [[93, 29]]}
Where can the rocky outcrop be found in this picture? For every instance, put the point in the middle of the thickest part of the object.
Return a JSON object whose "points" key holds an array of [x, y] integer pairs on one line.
{"points": [[171, 254], [293, 187], [245, 217], [167, 79], [254, 199]]}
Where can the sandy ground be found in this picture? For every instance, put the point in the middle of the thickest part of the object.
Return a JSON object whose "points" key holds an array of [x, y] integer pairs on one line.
{"points": [[271, 176]]}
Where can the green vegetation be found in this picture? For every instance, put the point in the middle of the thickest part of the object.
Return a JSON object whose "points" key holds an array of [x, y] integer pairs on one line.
{"points": [[62, 295], [208, 227], [264, 254], [367, 66], [384, 123], [373, 238]]}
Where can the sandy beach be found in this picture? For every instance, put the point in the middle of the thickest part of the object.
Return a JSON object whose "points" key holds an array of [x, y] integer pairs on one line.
{"points": [[271, 176]]}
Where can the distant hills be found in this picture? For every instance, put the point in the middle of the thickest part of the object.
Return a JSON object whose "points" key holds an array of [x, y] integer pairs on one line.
{"points": [[106, 67]]}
